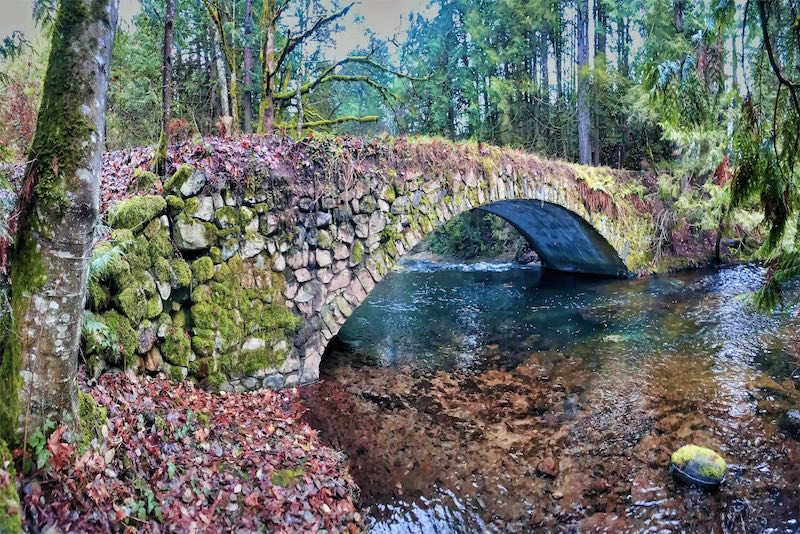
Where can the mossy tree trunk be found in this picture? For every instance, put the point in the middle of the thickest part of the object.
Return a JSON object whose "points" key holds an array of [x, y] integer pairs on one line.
{"points": [[56, 212]]}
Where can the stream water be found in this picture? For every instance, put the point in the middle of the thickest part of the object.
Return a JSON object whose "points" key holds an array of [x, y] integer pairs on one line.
{"points": [[492, 397]]}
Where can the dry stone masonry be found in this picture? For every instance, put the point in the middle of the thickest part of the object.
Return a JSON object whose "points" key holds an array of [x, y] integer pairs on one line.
{"points": [[241, 285]]}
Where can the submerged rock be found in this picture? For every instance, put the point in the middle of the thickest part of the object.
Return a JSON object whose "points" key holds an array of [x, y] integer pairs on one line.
{"points": [[790, 423], [698, 465]]}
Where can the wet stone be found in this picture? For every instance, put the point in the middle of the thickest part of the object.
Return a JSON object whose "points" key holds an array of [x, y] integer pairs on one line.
{"points": [[274, 382], [790, 423]]}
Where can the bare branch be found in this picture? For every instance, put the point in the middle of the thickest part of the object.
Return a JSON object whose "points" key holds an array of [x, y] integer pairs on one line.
{"points": [[292, 42]]}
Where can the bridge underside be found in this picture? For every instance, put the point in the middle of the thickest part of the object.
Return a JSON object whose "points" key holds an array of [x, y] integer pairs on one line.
{"points": [[563, 240]]}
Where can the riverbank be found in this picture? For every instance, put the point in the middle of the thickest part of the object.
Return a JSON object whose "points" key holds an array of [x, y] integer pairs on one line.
{"points": [[173, 458]]}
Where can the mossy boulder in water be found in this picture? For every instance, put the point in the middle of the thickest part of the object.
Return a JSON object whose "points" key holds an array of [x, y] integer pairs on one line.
{"points": [[698, 465]]}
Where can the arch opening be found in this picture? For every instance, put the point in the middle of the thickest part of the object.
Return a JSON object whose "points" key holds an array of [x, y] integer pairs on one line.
{"points": [[563, 240]]}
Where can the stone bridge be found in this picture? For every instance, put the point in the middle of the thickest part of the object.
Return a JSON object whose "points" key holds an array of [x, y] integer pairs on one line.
{"points": [[240, 277]]}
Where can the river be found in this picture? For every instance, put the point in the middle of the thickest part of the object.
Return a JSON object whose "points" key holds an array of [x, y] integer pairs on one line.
{"points": [[494, 397]]}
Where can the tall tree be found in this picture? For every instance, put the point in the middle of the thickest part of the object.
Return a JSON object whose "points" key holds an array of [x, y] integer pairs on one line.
{"points": [[166, 88], [54, 222], [582, 62], [247, 81]]}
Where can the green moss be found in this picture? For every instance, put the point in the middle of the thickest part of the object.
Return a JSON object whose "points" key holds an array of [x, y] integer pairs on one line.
{"points": [[154, 307], [98, 295], [144, 180], [287, 477], [236, 265], [227, 216], [136, 212], [324, 240], [202, 346], [230, 232], [262, 207], [277, 316], [93, 417], [245, 363], [160, 157], [10, 516], [191, 207], [175, 204], [202, 270], [160, 246], [224, 274], [177, 346], [216, 255], [180, 318], [133, 302], [125, 336], [708, 463], [245, 215], [390, 195], [182, 174], [357, 254], [163, 270], [215, 379], [138, 254], [182, 272], [201, 293]]}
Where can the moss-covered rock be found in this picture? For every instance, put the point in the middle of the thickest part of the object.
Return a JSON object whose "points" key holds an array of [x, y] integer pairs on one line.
{"points": [[144, 180], [136, 212], [10, 516], [177, 347], [175, 204], [182, 273], [93, 417], [133, 303], [125, 335], [178, 178], [698, 465], [202, 270], [357, 254]]}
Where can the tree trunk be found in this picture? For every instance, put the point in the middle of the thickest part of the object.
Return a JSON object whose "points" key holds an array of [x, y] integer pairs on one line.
{"points": [[581, 60], [56, 214], [166, 89], [267, 108], [248, 68], [222, 79]]}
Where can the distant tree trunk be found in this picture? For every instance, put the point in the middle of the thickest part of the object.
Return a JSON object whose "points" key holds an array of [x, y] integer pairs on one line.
{"points": [[166, 89], [623, 39], [267, 108], [55, 216], [222, 78], [582, 60], [248, 67]]}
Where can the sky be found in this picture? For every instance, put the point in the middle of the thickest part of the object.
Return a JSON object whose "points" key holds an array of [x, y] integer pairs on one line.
{"points": [[384, 17]]}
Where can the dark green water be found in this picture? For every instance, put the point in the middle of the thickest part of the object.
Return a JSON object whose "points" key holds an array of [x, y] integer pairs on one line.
{"points": [[453, 382]]}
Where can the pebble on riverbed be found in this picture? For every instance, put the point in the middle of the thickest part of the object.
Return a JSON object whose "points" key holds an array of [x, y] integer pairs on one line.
{"points": [[698, 465]]}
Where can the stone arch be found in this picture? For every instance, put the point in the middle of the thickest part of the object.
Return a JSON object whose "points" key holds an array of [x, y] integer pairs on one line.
{"points": [[241, 283]]}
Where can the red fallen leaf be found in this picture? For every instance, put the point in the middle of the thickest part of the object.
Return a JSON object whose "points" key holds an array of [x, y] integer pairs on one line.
{"points": [[60, 451], [251, 500]]}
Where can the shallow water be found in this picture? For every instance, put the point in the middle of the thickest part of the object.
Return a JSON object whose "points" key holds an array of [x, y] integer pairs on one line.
{"points": [[490, 397]]}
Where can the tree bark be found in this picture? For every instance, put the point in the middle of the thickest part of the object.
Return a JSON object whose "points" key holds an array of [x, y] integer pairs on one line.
{"points": [[56, 212], [267, 108], [222, 78], [582, 60], [248, 68], [166, 89]]}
